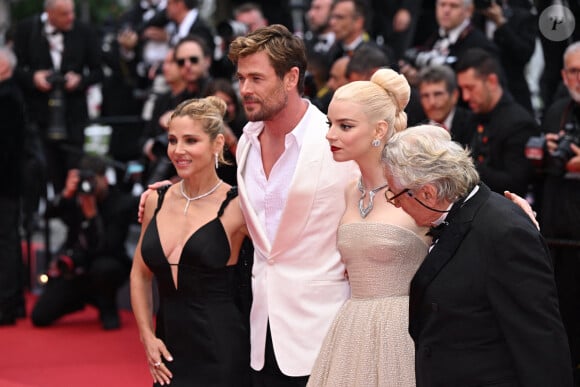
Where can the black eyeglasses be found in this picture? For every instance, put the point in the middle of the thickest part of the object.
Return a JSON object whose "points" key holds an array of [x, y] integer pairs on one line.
{"points": [[391, 197], [572, 72], [191, 59]]}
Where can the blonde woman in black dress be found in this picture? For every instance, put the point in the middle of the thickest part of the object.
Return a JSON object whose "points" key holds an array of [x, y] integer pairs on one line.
{"points": [[191, 236]]}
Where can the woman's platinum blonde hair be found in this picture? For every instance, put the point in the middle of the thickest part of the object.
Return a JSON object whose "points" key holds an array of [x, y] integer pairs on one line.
{"points": [[425, 154], [384, 97]]}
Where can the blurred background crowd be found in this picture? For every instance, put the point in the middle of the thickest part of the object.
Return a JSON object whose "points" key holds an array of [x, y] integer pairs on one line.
{"points": [[86, 86]]}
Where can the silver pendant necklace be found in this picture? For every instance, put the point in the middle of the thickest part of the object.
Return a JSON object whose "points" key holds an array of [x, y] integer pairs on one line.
{"points": [[364, 211], [189, 200]]}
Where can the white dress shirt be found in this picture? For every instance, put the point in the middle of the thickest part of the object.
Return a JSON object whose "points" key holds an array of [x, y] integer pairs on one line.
{"points": [[268, 195]]}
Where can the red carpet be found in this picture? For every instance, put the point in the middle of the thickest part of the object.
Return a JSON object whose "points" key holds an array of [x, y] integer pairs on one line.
{"points": [[74, 352]]}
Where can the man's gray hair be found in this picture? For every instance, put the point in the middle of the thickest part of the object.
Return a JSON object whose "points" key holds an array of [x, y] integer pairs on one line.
{"points": [[574, 47], [426, 154]]}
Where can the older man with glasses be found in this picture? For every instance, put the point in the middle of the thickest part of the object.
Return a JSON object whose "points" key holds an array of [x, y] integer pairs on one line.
{"points": [[483, 304], [560, 210]]}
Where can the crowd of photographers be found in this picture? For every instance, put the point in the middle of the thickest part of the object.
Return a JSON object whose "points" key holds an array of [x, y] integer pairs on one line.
{"points": [[468, 63]]}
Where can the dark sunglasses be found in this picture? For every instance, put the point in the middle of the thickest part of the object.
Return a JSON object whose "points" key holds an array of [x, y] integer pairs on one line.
{"points": [[191, 59]]}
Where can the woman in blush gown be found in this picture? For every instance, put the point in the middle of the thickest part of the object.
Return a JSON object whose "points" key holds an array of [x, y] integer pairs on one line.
{"points": [[191, 237], [368, 343]]}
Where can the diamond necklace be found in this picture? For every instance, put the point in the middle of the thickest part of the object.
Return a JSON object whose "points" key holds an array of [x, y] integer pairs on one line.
{"points": [[189, 200], [364, 211]]}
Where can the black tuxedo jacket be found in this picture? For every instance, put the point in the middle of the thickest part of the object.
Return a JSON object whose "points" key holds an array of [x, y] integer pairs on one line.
{"points": [[516, 41], [81, 55], [462, 126], [483, 304]]}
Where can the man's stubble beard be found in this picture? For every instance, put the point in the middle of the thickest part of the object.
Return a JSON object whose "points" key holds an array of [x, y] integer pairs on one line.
{"points": [[268, 111]]}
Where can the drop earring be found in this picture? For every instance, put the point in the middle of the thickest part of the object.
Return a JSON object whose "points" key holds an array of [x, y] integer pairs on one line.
{"points": [[216, 161], [376, 142]]}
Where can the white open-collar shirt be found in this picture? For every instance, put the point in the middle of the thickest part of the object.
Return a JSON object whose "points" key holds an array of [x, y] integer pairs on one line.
{"points": [[268, 196]]}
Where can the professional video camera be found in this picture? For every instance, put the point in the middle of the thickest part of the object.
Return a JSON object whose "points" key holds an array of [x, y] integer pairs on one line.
{"points": [[56, 108], [421, 59], [87, 182], [555, 164]]}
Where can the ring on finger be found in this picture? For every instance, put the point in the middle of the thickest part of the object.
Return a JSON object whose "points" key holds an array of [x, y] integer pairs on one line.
{"points": [[157, 365]]}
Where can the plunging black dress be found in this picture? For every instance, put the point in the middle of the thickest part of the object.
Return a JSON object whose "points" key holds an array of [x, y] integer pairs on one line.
{"points": [[199, 321]]}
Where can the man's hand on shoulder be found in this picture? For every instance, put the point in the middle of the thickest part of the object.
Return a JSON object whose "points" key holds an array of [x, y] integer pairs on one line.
{"points": [[146, 193]]}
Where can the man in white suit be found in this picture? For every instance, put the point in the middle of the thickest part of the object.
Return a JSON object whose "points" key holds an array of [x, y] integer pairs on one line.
{"points": [[292, 196]]}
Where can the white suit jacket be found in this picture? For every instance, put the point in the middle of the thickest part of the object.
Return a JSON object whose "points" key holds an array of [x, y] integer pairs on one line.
{"points": [[298, 280]]}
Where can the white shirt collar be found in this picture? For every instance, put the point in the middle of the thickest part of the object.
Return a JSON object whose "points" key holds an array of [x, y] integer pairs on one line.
{"points": [[453, 35], [48, 28], [443, 216], [449, 120], [354, 44], [185, 26]]}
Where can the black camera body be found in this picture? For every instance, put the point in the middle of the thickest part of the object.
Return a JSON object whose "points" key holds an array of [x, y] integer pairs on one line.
{"points": [[420, 59], [87, 183], [564, 152], [555, 164], [56, 108]]}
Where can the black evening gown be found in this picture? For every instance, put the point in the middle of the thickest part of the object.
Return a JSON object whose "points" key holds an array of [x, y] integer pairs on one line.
{"points": [[199, 321]]}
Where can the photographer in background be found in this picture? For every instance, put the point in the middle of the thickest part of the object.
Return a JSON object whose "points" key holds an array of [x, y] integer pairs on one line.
{"points": [[560, 214], [58, 59], [454, 36], [512, 26], [93, 262]]}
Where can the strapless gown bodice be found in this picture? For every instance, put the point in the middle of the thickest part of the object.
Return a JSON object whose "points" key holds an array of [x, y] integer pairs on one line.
{"points": [[368, 343]]}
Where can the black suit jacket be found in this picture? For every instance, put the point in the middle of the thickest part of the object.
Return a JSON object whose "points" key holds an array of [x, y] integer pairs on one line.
{"points": [[462, 126], [483, 304], [81, 55], [499, 151], [516, 41]]}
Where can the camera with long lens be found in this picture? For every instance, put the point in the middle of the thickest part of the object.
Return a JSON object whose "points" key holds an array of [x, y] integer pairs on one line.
{"points": [[56, 108], [420, 59], [87, 182], [563, 153], [555, 164]]}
